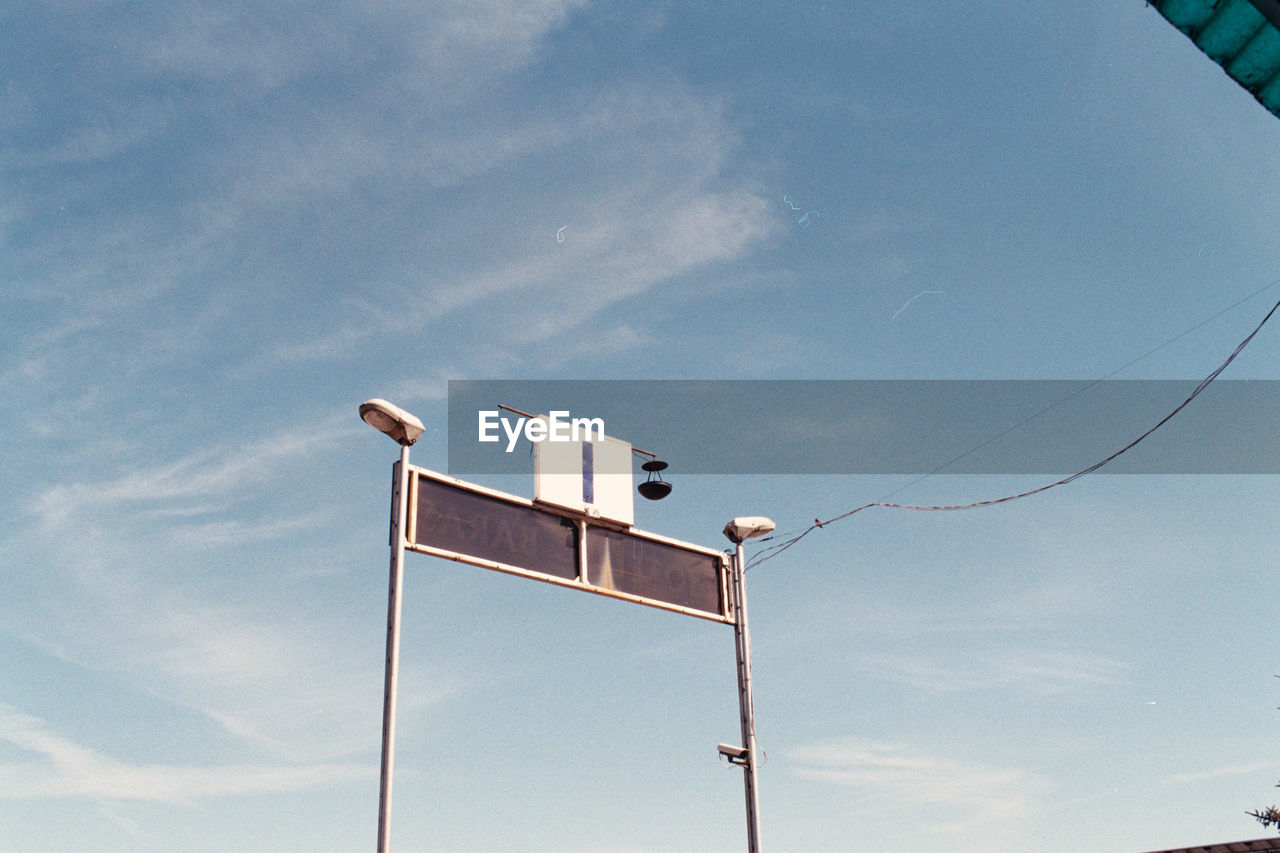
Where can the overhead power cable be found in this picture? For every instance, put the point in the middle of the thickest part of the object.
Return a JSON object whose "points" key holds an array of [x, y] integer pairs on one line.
{"points": [[778, 548]]}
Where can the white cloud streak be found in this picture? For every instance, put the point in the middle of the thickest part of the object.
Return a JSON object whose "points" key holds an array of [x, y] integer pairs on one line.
{"points": [[1224, 772], [157, 282], [632, 228], [1038, 671], [273, 663], [197, 483], [649, 201], [958, 796], [70, 770]]}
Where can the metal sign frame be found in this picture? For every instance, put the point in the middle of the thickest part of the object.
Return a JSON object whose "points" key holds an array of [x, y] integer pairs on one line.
{"points": [[584, 536]]}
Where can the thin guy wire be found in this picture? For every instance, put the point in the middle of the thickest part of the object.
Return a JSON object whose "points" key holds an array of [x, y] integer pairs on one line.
{"points": [[775, 550]]}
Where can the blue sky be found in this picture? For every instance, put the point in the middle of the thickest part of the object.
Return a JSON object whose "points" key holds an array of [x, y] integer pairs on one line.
{"points": [[223, 227]]}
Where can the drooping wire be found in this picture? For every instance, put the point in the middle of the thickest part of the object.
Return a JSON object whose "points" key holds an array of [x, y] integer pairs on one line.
{"points": [[777, 548], [1087, 387]]}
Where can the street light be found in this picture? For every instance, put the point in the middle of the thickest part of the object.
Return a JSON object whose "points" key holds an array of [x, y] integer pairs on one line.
{"points": [[393, 420], [737, 531], [405, 429]]}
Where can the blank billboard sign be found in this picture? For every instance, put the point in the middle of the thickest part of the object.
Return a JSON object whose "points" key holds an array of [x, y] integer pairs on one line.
{"points": [[471, 524], [485, 527], [650, 569]]}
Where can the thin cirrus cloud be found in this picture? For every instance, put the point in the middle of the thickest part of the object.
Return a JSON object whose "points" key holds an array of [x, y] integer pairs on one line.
{"points": [[678, 236], [237, 155], [202, 479], [1223, 772], [134, 602], [630, 229], [1035, 671], [66, 769], [297, 175], [269, 673], [1019, 609], [978, 797]]}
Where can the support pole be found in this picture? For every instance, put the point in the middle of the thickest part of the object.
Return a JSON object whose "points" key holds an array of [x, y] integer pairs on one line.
{"points": [[399, 517], [746, 708]]}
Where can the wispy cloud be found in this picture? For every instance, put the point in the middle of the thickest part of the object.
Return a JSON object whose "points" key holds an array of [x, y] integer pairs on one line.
{"points": [[623, 257], [1038, 671], [197, 483], [67, 769], [263, 653], [1023, 607], [122, 250], [628, 229], [1007, 641], [1223, 772], [362, 192], [958, 796], [278, 678]]}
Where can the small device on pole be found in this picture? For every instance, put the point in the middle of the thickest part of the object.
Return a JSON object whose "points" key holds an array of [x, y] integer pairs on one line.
{"points": [[738, 530]]}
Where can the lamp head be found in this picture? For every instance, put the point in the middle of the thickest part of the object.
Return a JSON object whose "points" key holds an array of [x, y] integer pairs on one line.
{"points": [[392, 420], [747, 527]]}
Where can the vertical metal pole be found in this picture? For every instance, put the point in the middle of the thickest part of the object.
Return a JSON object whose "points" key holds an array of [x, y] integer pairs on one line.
{"points": [[399, 516], [746, 708]]}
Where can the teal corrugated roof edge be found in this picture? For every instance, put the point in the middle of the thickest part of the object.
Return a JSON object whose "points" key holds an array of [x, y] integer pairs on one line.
{"points": [[1242, 36]]}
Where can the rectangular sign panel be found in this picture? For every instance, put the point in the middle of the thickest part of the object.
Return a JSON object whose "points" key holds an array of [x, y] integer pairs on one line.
{"points": [[591, 475], [471, 524], [627, 563], [479, 525]]}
